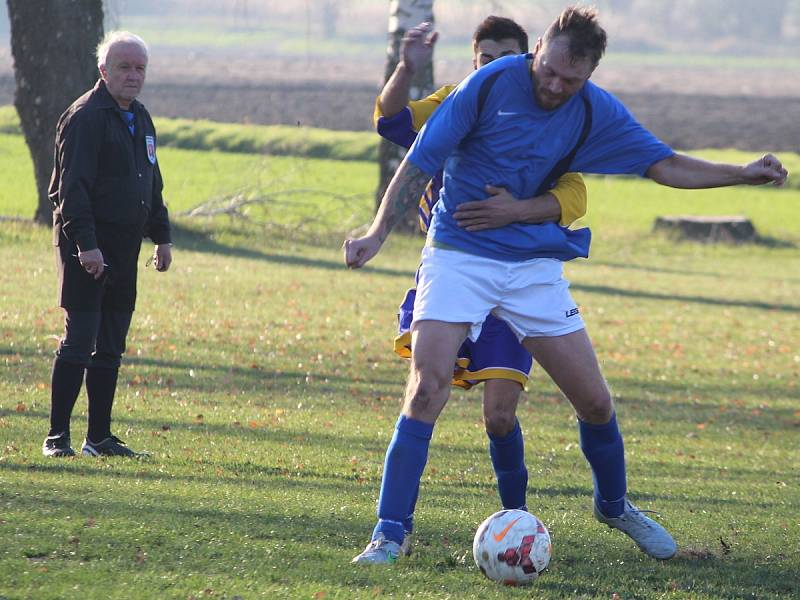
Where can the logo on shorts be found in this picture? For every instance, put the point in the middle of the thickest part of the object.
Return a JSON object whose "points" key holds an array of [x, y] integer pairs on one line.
{"points": [[150, 144], [572, 312]]}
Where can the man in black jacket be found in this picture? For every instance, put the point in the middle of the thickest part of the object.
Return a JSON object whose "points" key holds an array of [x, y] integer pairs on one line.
{"points": [[106, 192]]}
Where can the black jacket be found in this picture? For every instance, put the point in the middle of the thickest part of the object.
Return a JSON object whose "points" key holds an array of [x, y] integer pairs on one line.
{"points": [[102, 175], [106, 193]]}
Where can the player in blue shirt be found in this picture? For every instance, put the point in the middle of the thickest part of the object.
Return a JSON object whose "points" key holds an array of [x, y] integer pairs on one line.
{"points": [[496, 357], [518, 123]]}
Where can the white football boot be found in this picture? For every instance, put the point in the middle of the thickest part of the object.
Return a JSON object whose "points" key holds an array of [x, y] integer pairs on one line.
{"points": [[380, 551], [651, 537]]}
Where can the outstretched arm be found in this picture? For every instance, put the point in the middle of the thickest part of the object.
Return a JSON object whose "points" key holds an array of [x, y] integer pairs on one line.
{"points": [[416, 50], [682, 171], [403, 192]]}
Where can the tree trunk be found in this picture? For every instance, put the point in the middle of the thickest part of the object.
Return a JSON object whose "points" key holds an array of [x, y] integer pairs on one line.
{"points": [[53, 45], [735, 229], [403, 14]]}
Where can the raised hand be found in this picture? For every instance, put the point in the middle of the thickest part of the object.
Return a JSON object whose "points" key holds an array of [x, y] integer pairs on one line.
{"points": [[416, 48]]}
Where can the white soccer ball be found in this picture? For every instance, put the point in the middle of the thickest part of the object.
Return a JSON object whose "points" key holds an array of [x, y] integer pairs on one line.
{"points": [[512, 547]]}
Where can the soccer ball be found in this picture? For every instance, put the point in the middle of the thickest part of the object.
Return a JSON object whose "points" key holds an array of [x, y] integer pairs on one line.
{"points": [[512, 547]]}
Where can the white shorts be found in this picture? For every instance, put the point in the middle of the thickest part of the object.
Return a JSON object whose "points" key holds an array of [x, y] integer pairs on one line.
{"points": [[532, 296]]}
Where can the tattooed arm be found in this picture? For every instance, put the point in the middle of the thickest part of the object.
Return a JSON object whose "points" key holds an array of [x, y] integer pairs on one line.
{"points": [[403, 192]]}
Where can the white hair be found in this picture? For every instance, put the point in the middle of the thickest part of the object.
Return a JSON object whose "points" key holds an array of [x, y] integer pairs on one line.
{"points": [[117, 37]]}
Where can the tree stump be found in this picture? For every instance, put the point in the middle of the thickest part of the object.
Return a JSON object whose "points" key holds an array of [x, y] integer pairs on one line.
{"points": [[732, 229]]}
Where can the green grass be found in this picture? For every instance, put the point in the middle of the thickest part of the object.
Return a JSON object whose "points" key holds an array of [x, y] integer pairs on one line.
{"points": [[636, 204], [259, 374], [9, 121], [276, 140], [284, 190], [312, 193], [18, 192]]}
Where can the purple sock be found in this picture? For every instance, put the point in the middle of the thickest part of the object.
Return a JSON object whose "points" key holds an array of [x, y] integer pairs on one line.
{"points": [[508, 460]]}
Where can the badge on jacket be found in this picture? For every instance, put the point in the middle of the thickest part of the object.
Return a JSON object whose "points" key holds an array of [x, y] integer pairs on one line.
{"points": [[150, 142]]}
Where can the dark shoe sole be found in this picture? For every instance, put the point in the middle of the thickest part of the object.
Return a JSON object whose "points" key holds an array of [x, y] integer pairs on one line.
{"points": [[60, 453]]}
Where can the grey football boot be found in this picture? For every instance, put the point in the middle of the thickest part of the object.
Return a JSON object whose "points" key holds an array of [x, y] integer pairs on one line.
{"points": [[651, 537]]}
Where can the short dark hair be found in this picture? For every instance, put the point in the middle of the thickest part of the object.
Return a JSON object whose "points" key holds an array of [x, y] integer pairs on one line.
{"points": [[586, 38], [500, 28]]}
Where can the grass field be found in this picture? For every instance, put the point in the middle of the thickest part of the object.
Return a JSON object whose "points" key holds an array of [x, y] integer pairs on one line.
{"points": [[260, 377]]}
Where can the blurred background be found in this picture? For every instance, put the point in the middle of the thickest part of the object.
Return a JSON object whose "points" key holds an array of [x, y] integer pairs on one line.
{"points": [[699, 73]]}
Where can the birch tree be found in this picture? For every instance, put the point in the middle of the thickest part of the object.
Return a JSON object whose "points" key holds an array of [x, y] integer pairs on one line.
{"points": [[403, 15]]}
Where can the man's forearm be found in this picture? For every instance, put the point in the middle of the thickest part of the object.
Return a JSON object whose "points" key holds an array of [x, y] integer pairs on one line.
{"points": [[687, 172], [541, 209], [403, 193], [395, 94]]}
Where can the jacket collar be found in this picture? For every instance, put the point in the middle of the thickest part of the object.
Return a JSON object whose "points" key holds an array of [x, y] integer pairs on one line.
{"points": [[102, 97]]}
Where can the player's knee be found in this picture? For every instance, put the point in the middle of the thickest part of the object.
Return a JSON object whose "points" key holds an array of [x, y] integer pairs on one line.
{"points": [[426, 395], [499, 422], [500, 406], [597, 408], [105, 360]]}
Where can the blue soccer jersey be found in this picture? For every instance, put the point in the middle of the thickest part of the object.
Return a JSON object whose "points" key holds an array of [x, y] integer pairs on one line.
{"points": [[503, 138]]}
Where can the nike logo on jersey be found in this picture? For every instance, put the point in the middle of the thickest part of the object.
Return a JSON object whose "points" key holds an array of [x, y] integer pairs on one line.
{"points": [[503, 113], [498, 537]]}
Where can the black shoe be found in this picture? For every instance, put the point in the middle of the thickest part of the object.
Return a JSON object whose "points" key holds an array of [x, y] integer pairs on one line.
{"points": [[57, 445], [111, 446]]}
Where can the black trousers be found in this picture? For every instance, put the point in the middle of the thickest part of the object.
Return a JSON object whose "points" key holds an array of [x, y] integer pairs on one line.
{"points": [[94, 339], [93, 345]]}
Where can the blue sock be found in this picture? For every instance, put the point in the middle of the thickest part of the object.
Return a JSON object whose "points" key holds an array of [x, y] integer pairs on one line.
{"points": [[408, 522], [508, 460], [603, 448], [402, 471]]}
